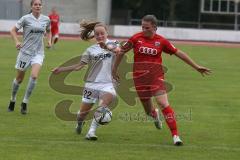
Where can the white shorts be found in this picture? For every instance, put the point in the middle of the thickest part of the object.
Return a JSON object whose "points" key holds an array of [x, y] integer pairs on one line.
{"points": [[25, 60], [93, 91]]}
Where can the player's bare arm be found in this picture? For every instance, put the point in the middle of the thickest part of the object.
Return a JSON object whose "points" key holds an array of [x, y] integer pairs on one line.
{"points": [[183, 56], [115, 67], [75, 67], [13, 33], [49, 38], [124, 48]]}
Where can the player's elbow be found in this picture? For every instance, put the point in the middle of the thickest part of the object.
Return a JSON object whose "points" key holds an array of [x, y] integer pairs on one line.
{"points": [[180, 54], [13, 31], [77, 68]]}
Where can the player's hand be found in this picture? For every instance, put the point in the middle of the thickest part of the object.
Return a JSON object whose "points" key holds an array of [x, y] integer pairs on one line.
{"points": [[102, 45], [49, 45], [203, 70], [110, 47], [118, 50], [18, 45], [56, 70]]}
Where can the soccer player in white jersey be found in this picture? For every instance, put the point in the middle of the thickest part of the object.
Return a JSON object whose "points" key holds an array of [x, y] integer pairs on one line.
{"points": [[99, 84], [31, 50]]}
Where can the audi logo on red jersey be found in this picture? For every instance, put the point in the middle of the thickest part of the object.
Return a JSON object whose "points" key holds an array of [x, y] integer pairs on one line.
{"points": [[147, 50]]}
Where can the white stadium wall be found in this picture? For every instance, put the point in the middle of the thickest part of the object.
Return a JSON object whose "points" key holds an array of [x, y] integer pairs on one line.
{"points": [[170, 33], [65, 28], [69, 10], [183, 33], [76, 10]]}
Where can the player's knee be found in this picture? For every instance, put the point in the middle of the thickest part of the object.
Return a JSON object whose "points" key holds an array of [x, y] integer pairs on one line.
{"points": [[19, 80], [163, 105], [82, 115], [34, 77]]}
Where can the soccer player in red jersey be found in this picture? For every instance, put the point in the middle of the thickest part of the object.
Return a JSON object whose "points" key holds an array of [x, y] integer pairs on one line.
{"points": [[55, 21], [148, 74]]}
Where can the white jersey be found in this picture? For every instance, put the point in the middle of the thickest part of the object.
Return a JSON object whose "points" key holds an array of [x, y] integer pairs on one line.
{"points": [[33, 33], [100, 64]]}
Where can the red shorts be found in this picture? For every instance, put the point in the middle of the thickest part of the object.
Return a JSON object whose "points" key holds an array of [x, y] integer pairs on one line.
{"points": [[148, 80], [147, 88], [54, 31]]}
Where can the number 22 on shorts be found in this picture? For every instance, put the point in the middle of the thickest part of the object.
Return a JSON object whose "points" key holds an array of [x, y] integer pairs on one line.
{"points": [[87, 94]]}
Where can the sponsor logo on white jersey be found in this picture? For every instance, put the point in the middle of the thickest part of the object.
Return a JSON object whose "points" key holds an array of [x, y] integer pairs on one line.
{"points": [[102, 56]]}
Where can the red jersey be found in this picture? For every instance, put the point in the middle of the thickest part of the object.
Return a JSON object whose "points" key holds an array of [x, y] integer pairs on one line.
{"points": [[148, 73], [150, 50], [55, 19]]}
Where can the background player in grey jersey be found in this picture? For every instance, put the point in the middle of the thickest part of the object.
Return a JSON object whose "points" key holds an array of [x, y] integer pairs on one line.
{"points": [[99, 83], [31, 51]]}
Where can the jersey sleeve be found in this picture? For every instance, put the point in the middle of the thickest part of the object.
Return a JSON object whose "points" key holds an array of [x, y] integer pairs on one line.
{"points": [[20, 23], [169, 48], [86, 56], [132, 40]]}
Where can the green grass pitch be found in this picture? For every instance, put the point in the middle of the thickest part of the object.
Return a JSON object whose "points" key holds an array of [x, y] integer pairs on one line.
{"points": [[208, 109]]}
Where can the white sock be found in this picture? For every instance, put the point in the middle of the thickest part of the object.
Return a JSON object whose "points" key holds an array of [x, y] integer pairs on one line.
{"points": [[31, 84], [93, 127], [15, 86]]}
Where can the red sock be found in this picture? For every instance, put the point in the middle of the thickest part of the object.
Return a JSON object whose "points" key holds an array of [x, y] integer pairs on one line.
{"points": [[170, 120]]}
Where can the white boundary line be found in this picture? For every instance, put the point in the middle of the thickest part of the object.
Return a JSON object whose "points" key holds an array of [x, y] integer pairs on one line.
{"points": [[82, 141], [195, 43]]}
